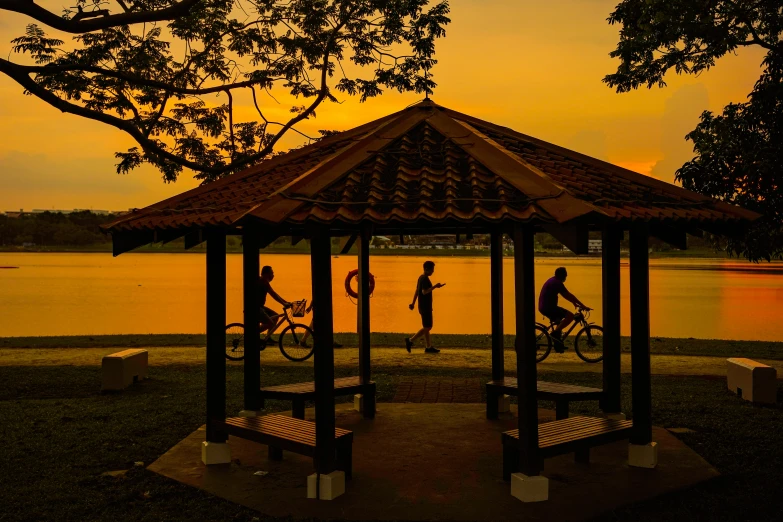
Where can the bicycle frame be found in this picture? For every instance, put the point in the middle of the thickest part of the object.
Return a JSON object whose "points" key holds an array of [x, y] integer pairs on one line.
{"points": [[580, 321], [282, 318]]}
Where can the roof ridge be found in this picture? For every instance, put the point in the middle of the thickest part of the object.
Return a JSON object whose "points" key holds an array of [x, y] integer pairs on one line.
{"points": [[535, 185], [262, 166]]}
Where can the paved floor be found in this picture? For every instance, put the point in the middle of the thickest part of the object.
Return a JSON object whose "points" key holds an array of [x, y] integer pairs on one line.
{"points": [[434, 389], [433, 462], [466, 358]]}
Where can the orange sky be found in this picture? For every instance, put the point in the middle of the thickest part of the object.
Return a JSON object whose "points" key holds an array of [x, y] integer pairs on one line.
{"points": [[535, 68]]}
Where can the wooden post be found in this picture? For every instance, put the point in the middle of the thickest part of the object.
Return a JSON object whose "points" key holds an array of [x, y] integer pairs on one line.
{"points": [[368, 404], [525, 344], [640, 336], [610, 278], [216, 337], [323, 356], [252, 360], [496, 297]]}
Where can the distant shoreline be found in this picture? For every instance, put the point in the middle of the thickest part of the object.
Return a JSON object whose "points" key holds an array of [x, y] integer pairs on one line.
{"points": [[418, 252]]}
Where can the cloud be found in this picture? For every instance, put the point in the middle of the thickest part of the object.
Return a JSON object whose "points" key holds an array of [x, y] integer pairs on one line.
{"points": [[680, 116], [590, 142]]}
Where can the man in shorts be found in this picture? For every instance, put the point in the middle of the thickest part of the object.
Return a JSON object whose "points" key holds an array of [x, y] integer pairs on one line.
{"points": [[547, 305], [424, 288], [267, 315]]}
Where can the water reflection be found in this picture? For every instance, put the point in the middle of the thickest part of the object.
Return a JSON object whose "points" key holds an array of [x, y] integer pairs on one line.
{"points": [[62, 294]]}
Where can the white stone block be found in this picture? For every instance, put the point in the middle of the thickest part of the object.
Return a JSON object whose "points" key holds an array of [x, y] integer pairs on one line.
{"points": [[357, 401], [332, 485], [249, 413], [504, 404], [753, 381], [615, 416], [643, 455], [529, 489], [215, 453], [120, 370]]}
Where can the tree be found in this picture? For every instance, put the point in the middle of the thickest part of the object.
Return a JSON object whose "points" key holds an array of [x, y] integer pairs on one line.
{"points": [[147, 67], [739, 153]]}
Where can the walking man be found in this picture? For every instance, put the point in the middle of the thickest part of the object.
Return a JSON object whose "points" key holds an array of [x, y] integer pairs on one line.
{"points": [[547, 305], [424, 288]]}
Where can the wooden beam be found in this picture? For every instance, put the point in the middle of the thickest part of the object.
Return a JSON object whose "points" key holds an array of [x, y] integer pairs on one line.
{"points": [[346, 242], [674, 237], [610, 283], [574, 237], [496, 299], [323, 357], [641, 391], [122, 242], [525, 344], [194, 238], [252, 306], [363, 305], [216, 337]]}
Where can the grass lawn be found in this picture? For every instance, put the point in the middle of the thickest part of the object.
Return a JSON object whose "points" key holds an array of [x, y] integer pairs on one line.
{"points": [[60, 435]]}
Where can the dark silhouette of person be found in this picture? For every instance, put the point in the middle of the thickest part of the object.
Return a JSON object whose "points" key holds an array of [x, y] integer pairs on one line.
{"points": [[267, 315], [424, 288], [547, 304]]}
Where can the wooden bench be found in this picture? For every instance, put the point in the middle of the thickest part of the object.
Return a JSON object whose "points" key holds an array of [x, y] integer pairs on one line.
{"points": [[300, 392], [575, 434], [562, 394], [280, 432]]}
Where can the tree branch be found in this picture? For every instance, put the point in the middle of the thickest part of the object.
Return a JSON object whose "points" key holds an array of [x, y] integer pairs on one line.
{"points": [[19, 75], [81, 24]]}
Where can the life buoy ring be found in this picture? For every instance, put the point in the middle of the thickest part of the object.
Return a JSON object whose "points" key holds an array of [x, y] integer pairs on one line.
{"points": [[350, 291]]}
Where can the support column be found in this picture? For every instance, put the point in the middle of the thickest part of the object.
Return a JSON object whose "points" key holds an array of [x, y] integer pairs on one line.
{"points": [[215, 450], [527, 485], [610, 276], [323, 356], [642, 452], [252, 360], [496, 298], [367, 400]]}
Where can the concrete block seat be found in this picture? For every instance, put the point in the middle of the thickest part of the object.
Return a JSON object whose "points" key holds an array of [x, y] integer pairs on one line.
{"points": [[561, 394], [300, 392], [575, 434], [280, 432]]}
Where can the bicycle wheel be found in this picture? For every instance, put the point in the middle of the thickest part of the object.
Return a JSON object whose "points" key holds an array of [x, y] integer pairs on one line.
{"points": [[543, 343], [589, 344], [235, 342], [291, 340]]}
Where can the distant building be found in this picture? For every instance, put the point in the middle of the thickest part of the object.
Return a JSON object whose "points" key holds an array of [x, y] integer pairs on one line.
{"points": [[594, 246]]}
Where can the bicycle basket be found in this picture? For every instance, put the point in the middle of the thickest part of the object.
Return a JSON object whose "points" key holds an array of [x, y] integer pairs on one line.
{"points": [[298, 308]]}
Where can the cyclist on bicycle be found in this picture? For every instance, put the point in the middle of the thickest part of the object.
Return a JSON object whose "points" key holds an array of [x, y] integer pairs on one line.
{"points": [[267, 315], [547, 305]]}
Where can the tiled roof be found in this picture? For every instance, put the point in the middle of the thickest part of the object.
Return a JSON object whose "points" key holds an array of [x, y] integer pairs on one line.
{"points": [[429, 164]]}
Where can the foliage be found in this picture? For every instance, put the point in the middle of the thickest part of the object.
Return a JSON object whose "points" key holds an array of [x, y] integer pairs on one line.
{"points": [[739, 152], [53, 229], [154, 69]]}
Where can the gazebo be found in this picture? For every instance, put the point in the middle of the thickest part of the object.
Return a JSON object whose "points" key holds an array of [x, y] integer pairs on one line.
{"points": [[428, 169]]}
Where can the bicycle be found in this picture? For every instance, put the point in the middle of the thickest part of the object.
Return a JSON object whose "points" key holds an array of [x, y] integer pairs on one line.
{"points": [[290, 340], [588, 342]]}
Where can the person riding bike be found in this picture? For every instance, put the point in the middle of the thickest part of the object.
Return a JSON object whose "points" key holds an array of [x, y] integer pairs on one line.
{"points": [[267, 315], [547, 305]]}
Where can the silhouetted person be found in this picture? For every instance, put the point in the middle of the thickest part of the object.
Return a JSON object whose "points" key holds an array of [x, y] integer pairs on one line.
{"points": [[267, 315], [424, 288], [547, 304]]}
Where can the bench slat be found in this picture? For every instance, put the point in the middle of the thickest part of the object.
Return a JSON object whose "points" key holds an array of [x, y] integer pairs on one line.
{"points": [[575, 432], [509, 385]]}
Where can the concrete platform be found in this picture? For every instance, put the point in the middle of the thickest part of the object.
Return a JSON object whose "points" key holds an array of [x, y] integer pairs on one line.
{"points": [[433, 462]]}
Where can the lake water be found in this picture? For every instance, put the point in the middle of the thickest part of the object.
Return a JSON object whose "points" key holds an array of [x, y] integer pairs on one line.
{"points": [[64, 294]]}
